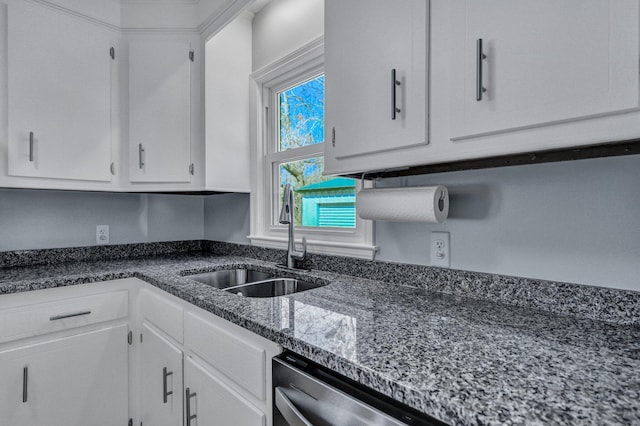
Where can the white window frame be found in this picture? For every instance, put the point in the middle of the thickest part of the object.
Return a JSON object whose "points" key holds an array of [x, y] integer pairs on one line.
{"points": [[303, 64]]}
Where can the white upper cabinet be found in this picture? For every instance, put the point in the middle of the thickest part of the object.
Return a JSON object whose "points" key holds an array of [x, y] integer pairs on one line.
{"points": [[368, 111], [79, 116], [159, 111], [541, 63], [59, 95], [227, 70]]}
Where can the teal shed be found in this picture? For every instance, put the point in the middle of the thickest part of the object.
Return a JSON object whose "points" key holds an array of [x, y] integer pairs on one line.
{"points": [[331, 203]]}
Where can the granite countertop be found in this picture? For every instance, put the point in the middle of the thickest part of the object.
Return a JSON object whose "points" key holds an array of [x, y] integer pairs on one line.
{"points": [[461, 360]]}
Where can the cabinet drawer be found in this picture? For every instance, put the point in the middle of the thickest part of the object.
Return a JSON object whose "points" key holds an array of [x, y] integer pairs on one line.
{"points": [[238, 359], [163, 313], [34, 319]]}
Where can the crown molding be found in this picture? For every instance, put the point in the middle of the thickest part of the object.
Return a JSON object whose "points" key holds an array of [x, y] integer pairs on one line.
{"points": [[160, 30], [74, 13], [222, 17], [311, 51], [207, 28], [159, 1]]}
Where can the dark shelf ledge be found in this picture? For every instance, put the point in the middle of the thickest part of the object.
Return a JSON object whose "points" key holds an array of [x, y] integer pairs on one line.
{"points": [[615, 149]]}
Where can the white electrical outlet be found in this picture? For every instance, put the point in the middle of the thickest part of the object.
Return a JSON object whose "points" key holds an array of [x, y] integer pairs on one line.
{"points": [[440, 249], [102, 234]]}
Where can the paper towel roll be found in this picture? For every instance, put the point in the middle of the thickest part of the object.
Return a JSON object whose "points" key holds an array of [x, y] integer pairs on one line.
{"points": [[410, 204]]}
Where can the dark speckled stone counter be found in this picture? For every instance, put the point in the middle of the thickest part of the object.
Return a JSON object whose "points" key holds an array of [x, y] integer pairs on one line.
{"points": [[462, 360]]}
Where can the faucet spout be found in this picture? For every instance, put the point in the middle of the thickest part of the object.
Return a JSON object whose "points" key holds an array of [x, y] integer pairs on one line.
{"points": [[286, 218]]}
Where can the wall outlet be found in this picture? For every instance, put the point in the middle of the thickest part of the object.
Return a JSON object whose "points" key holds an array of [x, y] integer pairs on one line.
{"points": [[102, 234], [440, 249]]}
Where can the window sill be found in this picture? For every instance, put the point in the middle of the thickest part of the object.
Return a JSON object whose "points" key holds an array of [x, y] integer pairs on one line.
{"points": [[360, 251]]}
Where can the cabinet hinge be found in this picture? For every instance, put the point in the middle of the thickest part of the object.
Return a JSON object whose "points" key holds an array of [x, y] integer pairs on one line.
{"points": [[191, 169], [112, 52], [192, 55], [130, 338]]}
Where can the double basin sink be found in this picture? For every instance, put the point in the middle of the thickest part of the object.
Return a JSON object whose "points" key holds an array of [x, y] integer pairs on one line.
{"points": [[253, 283]]}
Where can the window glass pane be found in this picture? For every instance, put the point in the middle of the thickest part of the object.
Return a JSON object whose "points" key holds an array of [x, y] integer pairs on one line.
{"points": [[319, 201], [301, 115]]}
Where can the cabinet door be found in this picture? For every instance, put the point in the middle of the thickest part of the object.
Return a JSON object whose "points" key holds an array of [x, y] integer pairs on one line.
{"points": [[160, 380], [365, 40], [214, 402], [546, 62], [159, 111], [59, 97], [73, 381]]}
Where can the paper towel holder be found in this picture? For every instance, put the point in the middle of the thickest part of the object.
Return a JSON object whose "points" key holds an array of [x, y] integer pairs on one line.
{"points": [[391, 201], [443, 196], [441, 200]]}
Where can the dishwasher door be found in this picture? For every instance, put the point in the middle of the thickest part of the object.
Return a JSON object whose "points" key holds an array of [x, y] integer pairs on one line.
{"points": [[306, 395]]}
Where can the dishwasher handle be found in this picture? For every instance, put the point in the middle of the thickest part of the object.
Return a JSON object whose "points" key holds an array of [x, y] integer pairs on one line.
{"points": [[288, 410]]}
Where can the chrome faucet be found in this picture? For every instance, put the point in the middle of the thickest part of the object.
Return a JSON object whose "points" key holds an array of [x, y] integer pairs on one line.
{"points": [[286, 218]]}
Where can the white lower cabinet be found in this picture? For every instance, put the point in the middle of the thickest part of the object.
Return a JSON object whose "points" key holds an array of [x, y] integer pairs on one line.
{"points": [[217, 373], [76, 380], [85, 356], [64, 356], [211, 402], [160, 371]]}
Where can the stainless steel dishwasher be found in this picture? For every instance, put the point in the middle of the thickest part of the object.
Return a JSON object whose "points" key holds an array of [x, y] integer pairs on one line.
{"points": [[306, 394]]}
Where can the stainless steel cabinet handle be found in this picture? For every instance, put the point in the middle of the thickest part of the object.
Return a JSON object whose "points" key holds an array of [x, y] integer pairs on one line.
{"points": [[289, 411], [25, 394], [140, 156], [75, 314], [188, 396], [394, 84], [165, 394], [31, 146], [480, 57]]}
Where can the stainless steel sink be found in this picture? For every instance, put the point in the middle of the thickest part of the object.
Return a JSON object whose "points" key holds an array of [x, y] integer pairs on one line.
{"points": [[273, 287], [231, 277], [254, 283]]}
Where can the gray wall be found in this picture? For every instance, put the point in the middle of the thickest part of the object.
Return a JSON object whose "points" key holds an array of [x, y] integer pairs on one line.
{"points": [[284, 26], [575, 221], [33, 219], [227, 218]]}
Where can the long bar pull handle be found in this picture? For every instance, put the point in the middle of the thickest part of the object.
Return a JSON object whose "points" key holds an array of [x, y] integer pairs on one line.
{"points": [[25, 392], [140, 156], [394, 84], [480, 57], [75, 314], [288, 410], [165, 394], [190, 416], [31, 147]]}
